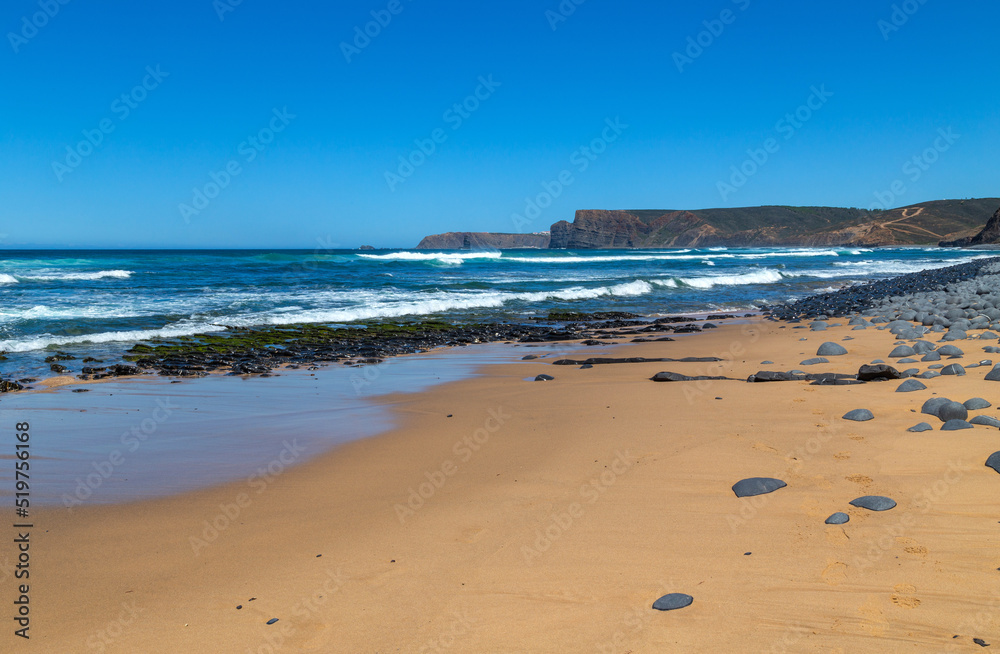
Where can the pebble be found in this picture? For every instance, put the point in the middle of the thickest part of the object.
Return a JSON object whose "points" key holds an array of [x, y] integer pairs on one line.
{"points": [[757, 486], [921, 426], [544, 378], [838, 518], [874, 502], [673, 601], [859, 415]]}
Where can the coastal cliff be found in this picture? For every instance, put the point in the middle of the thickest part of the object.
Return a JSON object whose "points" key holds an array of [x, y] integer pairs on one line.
{"points": [[919, 224], [988, 235], [928, 223]]}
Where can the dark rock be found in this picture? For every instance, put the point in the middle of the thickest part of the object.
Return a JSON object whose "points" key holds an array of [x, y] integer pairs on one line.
{"points": [[921, 426], [831, 350], [985, 420], [994, 461], [544, 378], [838, 518], [953, 369], [757, 486], [676, 377], [910, 385], [58, 369], [814, 361], [902, 351], [859, 415], [950, 351], [955, 424], [878, 372], [976, 403], [673, 601], [874, 503]]}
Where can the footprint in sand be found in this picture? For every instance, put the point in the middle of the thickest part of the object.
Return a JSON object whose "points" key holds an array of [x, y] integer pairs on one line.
{"points": [[911, 546], [835, 573], [842, 455], [904, 601], [864, 480], [855, 437]]}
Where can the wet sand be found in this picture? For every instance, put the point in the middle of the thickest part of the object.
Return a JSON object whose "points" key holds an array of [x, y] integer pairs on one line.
{"points": [[548, 516]]}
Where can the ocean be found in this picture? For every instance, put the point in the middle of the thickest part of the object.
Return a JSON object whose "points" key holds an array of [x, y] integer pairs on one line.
{"points": [[100, 302]]}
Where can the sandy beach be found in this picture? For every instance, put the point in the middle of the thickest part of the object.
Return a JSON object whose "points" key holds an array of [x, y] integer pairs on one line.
{"points": [[512, 516]]}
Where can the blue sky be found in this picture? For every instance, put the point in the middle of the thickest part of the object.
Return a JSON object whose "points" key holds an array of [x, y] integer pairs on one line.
{"points": [[119, 119]]}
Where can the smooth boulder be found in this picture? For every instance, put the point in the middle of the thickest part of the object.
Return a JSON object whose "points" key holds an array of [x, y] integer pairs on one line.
{"points": [[859, 415], [955, 425], [829, 349], [910, 385], [921, 426], [994, 461]]}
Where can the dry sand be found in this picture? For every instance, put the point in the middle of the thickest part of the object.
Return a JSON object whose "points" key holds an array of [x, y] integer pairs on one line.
{"points": [[556, 513]]}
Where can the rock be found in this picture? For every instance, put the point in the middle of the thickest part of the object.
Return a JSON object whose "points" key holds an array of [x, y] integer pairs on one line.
{"points": [[877, 372], [272, 620], [952, 411], [818, 326], [994, 461], [544, 378], [859, 415], [930, 374], [58, 368], [994, 374], [814, 361], [831, 350], [909, 386], [902, 351], [757, 486], [676, 376], [976, 403], [985, 420], [920, 426], [931, 356], [955, 424], [838, 518], [529, 357], [950, 351], [874, 503], [953, 369], [772, 376], [673, 601]]}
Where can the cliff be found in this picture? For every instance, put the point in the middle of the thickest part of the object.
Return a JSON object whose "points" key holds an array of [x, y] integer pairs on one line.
{"points": [[987, 235], [919, 224], [484, 240]]}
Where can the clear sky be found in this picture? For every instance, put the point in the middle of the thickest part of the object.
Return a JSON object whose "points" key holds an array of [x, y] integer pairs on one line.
{"points": [[120, 119]]}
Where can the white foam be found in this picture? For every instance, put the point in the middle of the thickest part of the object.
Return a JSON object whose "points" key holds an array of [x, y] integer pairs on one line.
{"points": [[756, 277], [46, 340], [75, 276], [7, 279], [451, 258]]}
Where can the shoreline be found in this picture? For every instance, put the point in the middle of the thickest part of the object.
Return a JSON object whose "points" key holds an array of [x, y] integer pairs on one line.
{"points": [[662, 519]]}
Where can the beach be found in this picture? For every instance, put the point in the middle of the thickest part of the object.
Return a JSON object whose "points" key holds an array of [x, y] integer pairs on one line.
{"points": [[506, 515]]}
